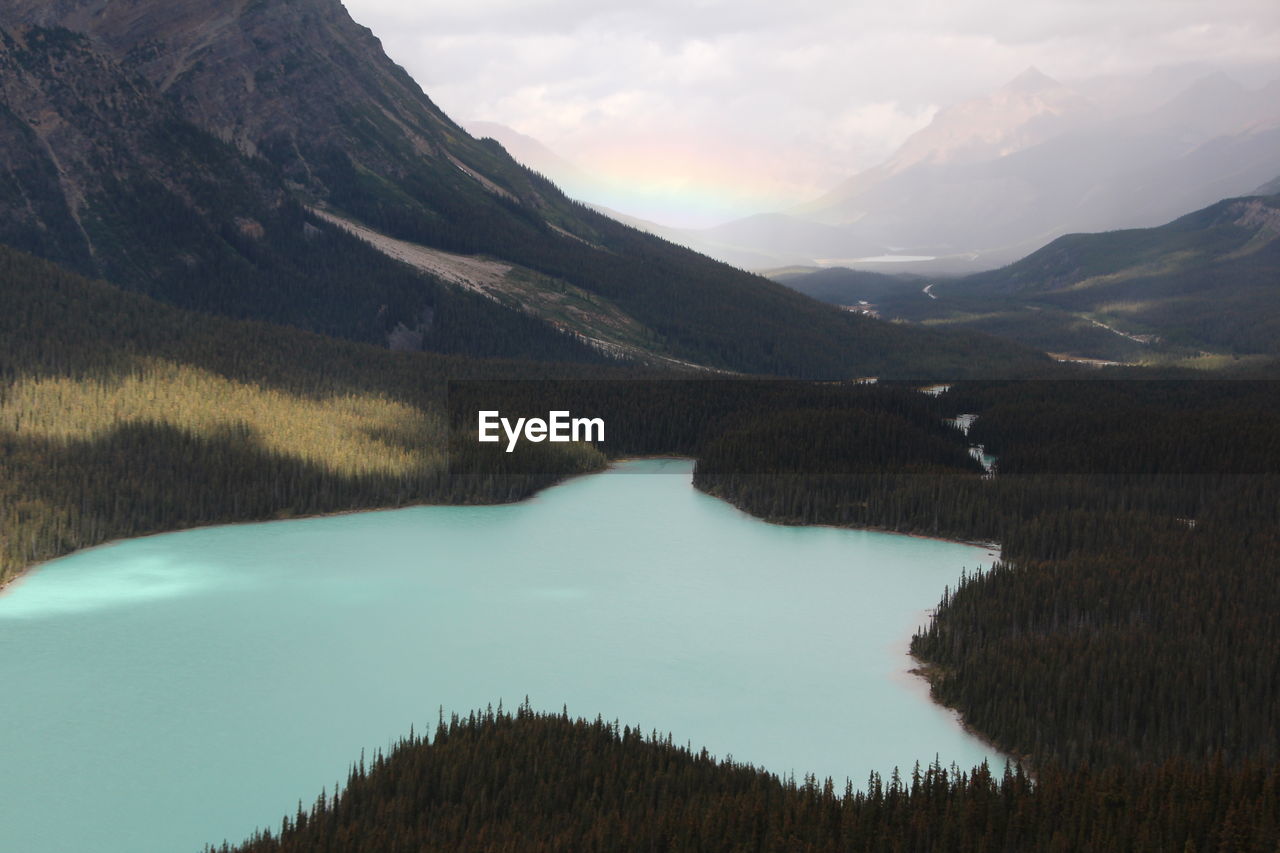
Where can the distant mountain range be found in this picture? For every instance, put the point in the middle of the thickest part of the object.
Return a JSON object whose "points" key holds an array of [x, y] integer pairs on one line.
{"points": [[1208, 282], [1030, 110], [267, 160], [996, 177]]}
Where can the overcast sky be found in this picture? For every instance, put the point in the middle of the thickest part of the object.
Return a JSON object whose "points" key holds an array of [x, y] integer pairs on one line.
{"points": [[730, 106]]}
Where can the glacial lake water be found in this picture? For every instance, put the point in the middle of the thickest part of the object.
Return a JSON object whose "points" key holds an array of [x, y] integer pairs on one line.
{"points": [[165, 692]]}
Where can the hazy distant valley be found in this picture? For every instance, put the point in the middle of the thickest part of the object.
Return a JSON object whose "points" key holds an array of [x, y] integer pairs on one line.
{"points": [[994, 178]]}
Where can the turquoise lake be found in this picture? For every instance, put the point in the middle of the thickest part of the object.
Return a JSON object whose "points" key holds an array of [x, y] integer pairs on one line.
{"points": [[165, 692]]}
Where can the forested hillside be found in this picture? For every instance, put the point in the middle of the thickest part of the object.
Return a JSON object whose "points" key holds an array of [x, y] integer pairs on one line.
{"points": [[1142, 610], [535, 782], [1205, 281], [121, 416]]}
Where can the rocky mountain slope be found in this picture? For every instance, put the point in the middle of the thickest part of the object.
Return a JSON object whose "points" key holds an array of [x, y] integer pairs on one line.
{"points": [[104, 175]]}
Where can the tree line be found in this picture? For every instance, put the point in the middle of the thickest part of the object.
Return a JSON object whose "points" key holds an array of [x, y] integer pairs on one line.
{"points": [[543, 782]]}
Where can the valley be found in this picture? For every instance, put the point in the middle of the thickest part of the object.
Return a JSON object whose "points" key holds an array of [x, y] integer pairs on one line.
{"points": [[1198, 286]]}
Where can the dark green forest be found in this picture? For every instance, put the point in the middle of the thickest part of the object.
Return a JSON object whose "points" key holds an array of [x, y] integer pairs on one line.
{"points": [[1133, 617]]}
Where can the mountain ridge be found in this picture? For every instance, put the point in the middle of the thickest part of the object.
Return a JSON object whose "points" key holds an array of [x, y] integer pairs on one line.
{"points": [[1202, 284]]}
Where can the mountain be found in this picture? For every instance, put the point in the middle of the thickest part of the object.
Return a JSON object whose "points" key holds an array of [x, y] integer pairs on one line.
{"points": [[1269, 188], [997, 177], [226, 156], [1028, 110], [1208, 106], [1205, 283], [106, 176], [1035, 153], [82, 141], [883, 207], [1208, 279]]}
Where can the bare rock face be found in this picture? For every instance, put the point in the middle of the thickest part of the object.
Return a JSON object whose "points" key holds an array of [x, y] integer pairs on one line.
{"points": [[296, 81], [104, 173], [44, 156], [305, 96], [79, 136]]}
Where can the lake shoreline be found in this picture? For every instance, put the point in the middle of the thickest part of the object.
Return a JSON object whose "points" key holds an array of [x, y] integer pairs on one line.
{"points": [[284, 515], [409, 593], [920, 669], [8, 583], [781, 522], [927, 672]]}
